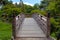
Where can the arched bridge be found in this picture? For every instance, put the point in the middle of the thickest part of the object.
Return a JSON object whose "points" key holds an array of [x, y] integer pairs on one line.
{"points": [[36, 27]]}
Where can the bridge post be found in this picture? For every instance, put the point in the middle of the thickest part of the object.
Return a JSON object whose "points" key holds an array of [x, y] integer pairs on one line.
{"points": [[14, 26], [48, 24], [41, 17]]}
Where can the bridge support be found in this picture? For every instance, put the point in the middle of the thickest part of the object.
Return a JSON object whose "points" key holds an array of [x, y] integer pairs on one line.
{"points": [[14, 27], [48, 25]]}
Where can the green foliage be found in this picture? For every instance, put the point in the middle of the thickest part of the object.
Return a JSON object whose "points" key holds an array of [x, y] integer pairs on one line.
{"points": [[28, 8], [51, 5], [4, 2], [10, 8], [8, 11], [54, 22], [39, 12], [53, 35], [1, 12], [54, 8], [54, 27], [35, 11], [5, 31], [36, 6], [43, 12]]}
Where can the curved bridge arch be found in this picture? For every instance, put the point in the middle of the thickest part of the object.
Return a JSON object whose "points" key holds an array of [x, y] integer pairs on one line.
{"points": [[42, 22]]}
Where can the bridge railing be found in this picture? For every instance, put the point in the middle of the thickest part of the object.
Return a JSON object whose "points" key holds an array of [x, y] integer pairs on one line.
{"points": [[42, 21], [19, 20], [16, 23]]}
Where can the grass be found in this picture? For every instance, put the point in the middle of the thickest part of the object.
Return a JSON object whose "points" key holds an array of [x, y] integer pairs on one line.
{"points": [[5, 31]]}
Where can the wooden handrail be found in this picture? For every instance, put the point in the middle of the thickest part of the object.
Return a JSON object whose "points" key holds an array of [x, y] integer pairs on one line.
{"points": [[42, 21], [16, 23], [19, 20]]}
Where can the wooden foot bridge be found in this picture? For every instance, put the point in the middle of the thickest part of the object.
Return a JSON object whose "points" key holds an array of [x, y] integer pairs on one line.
{"points": [[36, 27]]}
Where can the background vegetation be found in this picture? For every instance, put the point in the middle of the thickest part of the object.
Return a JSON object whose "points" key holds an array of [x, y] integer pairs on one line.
{"points": [[53, 7]]}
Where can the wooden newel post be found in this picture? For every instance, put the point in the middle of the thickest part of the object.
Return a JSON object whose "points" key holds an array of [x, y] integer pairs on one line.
{"points": [[48, 24], [14, 26]]}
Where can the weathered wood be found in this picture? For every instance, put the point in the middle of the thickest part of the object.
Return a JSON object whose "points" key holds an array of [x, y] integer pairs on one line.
{"points": [[19, 20], [41, 22], [31, 38], [30, 30], [14, 26], [48, 24], [44, 22], [16, 22]]}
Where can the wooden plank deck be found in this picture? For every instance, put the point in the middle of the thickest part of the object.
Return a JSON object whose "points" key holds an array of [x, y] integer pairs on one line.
{"points": [[31, 39], [30, 30]]}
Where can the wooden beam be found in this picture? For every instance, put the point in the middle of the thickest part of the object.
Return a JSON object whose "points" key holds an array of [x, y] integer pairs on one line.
{"points": [[48, 24], [14, 26]]}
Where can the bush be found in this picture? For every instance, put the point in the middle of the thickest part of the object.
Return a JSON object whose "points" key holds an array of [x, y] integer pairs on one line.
{"points": [[8, 11], [54, 27], [39, 12], [1, 13]]}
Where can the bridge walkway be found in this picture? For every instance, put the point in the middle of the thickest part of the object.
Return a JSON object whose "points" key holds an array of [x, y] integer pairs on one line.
{"points": [[30, 30]]}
